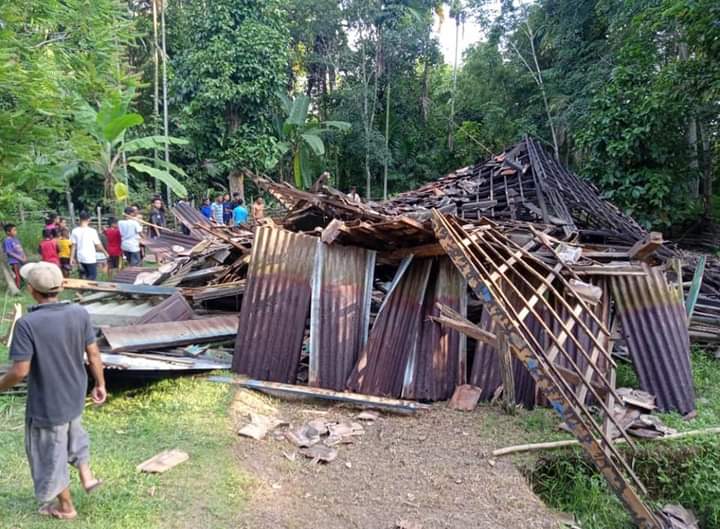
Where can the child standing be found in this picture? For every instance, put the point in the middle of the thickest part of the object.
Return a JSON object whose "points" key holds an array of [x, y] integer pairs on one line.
{"points": [[65, 251], [114, 241], [49, 247], [14, 251]]}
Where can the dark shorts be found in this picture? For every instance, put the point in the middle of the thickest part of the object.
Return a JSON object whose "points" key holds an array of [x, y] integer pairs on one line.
{"points": [[133, 258], [114, 261], [50, 451], [88, 271]]}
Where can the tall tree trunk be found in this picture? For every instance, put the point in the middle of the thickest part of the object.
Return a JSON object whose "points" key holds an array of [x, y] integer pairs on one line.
{"points": [[387, 139], [165, 98], [707, 170], [156, 91], [692, 135], [451, 121], [425, 97], [538, 78]]}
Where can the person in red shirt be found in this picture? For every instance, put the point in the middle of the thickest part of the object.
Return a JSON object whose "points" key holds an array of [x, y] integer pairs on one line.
{"points": [[112, 235], [49, 247]]}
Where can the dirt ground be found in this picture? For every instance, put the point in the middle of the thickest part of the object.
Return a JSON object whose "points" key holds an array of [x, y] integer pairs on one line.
{"points": [[431, 471]]}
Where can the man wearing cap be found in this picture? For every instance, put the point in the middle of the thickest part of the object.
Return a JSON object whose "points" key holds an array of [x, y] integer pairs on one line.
{"points": [[47, 347]]}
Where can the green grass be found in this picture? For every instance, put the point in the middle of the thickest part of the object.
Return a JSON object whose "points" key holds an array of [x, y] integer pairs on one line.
{"points": [[684, 471], [190, 414]]}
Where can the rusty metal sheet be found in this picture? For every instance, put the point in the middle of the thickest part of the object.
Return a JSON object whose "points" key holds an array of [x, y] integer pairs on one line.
{"points": [[654, 325], [275, 305], [339, 313], [129, 274], [191, 217], [437, 364], [381, 368], [174, 308], [168, 334], [168, 243]]}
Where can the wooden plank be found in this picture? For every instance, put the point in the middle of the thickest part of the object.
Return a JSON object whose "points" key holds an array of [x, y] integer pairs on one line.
{"points": [[277, 388], [163, 461], [120, 288], [506, 371], [644, 248], [456, 321]]}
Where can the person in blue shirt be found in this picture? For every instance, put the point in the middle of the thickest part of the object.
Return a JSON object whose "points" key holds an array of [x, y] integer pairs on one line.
{"points": [[240, 213], [206, 210]]}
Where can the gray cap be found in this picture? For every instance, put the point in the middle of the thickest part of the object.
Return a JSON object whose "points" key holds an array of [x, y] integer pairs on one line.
{"points": [[44, 277]]}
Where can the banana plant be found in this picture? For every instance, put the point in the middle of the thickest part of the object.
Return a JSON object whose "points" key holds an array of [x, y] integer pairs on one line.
{"points": [[110, 152], [300, 135]]}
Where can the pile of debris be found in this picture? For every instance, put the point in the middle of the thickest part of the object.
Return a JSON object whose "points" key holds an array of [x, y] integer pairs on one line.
{"points": [[512, 276], [177, 318]]}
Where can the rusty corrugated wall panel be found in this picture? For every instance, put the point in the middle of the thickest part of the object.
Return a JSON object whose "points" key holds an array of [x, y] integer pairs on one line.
{"points": [[275, 305], [654, 325], [174, 308], [381, 367], [168, 334], [434, 368], [339, 313]]}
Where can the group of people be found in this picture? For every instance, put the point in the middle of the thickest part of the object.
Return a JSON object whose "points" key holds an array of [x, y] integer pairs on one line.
{"points": [[225, 211], [91, 251]]}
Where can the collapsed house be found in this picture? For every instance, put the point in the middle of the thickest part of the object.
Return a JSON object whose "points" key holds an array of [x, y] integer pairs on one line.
{"points": [[513, 275]]}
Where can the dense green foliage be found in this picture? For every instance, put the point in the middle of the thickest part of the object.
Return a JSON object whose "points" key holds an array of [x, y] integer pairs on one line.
{"points": [[627, 93]]}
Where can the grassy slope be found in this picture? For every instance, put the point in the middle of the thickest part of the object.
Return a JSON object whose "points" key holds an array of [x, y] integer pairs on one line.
{"points": [[682, 471], [133, 426]]}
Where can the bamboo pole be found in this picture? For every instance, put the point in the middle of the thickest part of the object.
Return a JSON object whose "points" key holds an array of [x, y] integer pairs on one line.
{"points": [[534, 447]]}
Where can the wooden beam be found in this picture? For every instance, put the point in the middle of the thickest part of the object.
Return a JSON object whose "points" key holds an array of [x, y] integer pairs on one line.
{"points": [[425, 250], [456, 321], [532, 447], [644, 248], [369, 401], [120, 288]]}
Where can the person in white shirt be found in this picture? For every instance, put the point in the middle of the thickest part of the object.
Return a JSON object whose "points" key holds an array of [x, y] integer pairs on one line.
{"points": [[85, 247], [353, 195], [130, 232]]}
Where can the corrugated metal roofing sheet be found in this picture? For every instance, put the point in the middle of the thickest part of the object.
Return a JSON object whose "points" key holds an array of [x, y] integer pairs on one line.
{"points": [[190, 217], [117, 313], [339, 313], [381, 368], [437, 364], [275, 306], [158, 335], [654, 324], [174, 308]]}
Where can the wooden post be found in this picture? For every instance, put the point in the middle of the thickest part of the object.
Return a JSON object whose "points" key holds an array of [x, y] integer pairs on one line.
{"points": [[99, 218], [506, 370]]}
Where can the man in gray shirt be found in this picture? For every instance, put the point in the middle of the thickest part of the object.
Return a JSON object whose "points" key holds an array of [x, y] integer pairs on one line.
{"points": [[47, 347]]}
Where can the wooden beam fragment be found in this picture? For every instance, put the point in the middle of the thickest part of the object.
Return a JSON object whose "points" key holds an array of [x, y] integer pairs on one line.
{"points": [[453, 319], [120, 288], [532, 447], [357, 399], [644, 248]]}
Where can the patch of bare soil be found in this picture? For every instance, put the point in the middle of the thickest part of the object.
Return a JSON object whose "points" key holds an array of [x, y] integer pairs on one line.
{"points": [[430, 471]]}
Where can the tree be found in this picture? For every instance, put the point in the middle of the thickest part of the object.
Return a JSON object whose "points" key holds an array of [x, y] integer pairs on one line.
{"points": [[108, 126], [50, 60], [300, 134], [227, 60]]}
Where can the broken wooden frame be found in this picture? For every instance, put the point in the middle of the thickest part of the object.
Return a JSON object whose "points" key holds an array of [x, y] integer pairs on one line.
{"points": [[494, 267]]}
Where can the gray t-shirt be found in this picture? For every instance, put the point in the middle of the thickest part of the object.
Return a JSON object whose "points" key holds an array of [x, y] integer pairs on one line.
{"points": [[53, 337]]}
